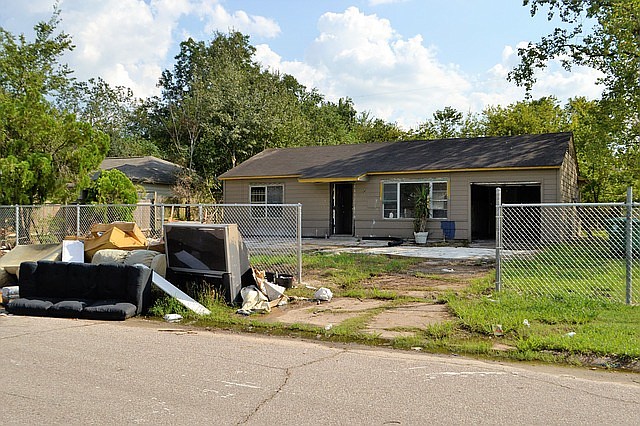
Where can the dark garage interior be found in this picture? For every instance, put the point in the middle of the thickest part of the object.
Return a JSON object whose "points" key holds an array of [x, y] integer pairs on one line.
{"points": [[483, 204]]}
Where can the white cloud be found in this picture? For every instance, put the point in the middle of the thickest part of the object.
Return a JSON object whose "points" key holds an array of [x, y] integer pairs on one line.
{"points": [[219, 19], [402, 80], [125, 42], [363, 57], [494, 89], [130, 42]]}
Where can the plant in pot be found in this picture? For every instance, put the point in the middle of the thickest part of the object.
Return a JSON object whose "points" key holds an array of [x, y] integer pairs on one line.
{"points": [[421, 215]]}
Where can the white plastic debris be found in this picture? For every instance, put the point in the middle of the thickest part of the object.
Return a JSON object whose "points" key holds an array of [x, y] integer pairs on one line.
{"points": [[273, 291], [526, 323], [570, 334], [173, 317], [497, 330], [253, 300], [328, 327], [10, 292], [323, 294]]}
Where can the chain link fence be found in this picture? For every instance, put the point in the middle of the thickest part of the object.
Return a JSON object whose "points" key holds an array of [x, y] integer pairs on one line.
{"points": [[587, 250], [272, 232]]}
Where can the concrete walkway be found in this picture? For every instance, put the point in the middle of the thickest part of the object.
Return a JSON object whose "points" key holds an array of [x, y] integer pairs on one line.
{"points": [[354, 245]]}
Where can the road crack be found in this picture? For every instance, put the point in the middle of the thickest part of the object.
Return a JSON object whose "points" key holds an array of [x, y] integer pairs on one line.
{"points": [[287, 375]]}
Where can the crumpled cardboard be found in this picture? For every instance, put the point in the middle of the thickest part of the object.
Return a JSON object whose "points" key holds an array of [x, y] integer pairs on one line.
{"points": [[116, 235]]}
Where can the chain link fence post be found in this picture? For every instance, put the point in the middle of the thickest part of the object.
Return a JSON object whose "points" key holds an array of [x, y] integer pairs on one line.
{"points": [[78, 221], [17, 225], [498, 239], [299, 238], [629, 245]]}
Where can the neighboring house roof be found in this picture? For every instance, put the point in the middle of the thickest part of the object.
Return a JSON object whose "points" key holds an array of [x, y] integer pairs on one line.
{"points": [[149, 169], [354, 162]]}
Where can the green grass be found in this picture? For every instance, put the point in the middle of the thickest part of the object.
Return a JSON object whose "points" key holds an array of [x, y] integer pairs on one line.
{"points": [[563, 327], [348, 270], [585, 268]]}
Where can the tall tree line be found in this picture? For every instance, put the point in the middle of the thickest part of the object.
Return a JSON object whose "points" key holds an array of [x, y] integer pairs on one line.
{"points": [[218, 107]]}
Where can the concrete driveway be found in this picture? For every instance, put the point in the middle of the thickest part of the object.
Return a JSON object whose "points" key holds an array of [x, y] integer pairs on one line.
{"points": [[433, 251]]}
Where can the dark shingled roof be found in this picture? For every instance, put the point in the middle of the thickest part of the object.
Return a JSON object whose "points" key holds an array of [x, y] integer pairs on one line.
{"points": [[147, 169], [350, 162]]}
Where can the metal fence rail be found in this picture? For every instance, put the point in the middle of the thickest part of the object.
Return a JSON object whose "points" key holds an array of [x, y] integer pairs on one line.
{"points": [[272, 232], [587, 250]]}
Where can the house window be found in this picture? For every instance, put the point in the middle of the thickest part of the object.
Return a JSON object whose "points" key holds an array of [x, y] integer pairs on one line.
{"points": [[398, 199], [266, 194]]}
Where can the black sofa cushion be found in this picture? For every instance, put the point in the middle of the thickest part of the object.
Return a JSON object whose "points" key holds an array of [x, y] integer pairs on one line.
{"points": [[28, 306], [109, 310], [68, 308]]}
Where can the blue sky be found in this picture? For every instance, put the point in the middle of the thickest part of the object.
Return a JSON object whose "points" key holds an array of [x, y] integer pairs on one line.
{"points": [[400, 60]]}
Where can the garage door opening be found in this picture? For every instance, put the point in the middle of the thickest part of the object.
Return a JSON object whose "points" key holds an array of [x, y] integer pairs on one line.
{"points": [[483, 204]]}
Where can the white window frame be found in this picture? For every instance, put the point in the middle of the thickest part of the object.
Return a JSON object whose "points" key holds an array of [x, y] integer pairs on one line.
{"points": [[259, 212], [432, 201]]}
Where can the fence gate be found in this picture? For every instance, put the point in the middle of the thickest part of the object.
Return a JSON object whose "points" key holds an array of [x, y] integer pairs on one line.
{"points": [[588, 250]]}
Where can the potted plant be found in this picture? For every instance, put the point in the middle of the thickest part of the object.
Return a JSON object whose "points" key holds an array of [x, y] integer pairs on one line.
{"points": [[421, 215]]}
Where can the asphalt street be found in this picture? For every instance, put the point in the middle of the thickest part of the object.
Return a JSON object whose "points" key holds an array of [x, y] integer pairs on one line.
{"points": [[59, 371]]}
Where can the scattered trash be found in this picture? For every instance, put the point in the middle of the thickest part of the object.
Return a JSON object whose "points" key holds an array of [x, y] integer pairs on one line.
{"points": [[310, 287], [526, 322], [323, 294], [328, 327], [253, 300], [273, 291], [570, 334], [416, 348], [173, 317], [284, 280], [11, 292], [497, 330], [447, 270]]}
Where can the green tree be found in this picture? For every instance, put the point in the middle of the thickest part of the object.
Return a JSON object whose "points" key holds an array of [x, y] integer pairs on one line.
{"points": [[219, 107], [603, 35], [595, 148], [448, 123], [369, 129], [112, 110], [112, 187], [544, 115], [45, 153]]}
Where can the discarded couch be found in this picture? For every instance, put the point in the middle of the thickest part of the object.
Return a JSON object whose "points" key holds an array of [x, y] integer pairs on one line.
{"points": [[107, 291]]}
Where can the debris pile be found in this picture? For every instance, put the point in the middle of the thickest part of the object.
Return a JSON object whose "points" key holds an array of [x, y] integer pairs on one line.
{"points": [[262, 296], [265, 294]]}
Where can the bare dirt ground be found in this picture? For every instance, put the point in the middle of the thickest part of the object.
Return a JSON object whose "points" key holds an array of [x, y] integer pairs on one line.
{"points": [[427, 280]]}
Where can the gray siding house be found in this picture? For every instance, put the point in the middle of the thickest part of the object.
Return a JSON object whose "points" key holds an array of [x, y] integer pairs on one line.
{"points": [[365, 190], [156, 176]]}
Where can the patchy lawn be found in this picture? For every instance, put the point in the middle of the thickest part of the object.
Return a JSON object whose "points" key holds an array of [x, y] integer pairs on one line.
{"points": [[438, 306]]}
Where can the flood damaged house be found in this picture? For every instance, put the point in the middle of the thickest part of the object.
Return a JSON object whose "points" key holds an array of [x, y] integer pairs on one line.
{"points": [[367, 190]]}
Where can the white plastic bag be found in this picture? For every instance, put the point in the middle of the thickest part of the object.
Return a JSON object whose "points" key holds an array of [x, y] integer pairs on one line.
{"points": [[323, 294]]}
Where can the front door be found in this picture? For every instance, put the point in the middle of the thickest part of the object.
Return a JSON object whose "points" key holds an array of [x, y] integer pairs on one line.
{"points": [[342, 208]]}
